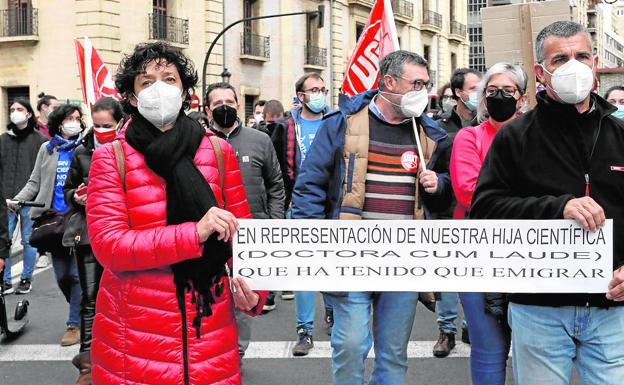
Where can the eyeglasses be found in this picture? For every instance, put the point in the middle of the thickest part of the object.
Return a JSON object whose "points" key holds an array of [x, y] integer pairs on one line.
{"points": [[446, 98], [316, 91], [507, 91], [418, 84]]}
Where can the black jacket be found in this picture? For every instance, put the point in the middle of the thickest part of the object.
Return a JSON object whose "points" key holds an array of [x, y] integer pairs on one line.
{"points": [[78, 174], [262, 176], [5, 244], [450, 122], [279, 137], [18, 159], [538, 162]]}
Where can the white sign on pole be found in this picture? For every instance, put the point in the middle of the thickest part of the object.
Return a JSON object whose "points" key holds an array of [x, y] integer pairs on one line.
{"points": [[519, 256]]}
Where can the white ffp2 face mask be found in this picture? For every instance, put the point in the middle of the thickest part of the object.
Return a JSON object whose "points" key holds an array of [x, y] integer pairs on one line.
{"points": [[413, 103], [71, 128], [18, 117], [160, 103], [572, 82]]}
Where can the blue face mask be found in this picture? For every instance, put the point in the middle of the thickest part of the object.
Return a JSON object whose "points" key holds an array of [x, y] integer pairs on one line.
{"points": [[472, 101], [316, 103], [620, 112]]}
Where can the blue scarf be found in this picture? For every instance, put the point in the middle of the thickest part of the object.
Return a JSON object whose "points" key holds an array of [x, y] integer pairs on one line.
{"points": [[62, 144]]}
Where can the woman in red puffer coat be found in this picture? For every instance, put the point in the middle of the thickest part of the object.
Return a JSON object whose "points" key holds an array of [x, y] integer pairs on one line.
{"points": [[165, 312]]}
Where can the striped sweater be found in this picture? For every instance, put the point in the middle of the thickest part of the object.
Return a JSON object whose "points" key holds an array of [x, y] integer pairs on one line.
{"points": [[392, 171]]}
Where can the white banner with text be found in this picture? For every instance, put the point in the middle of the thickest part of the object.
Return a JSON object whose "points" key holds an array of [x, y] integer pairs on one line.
{"points": [[513, 256]]}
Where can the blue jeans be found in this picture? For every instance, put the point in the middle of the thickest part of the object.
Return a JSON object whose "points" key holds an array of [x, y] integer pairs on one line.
{"points": [[391, 316], [30, 253], [66, 273], [489, 342], [305, 304], [547, 341], [447, 311]]}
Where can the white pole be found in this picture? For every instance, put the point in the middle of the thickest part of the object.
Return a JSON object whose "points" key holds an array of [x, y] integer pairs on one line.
{"points": [[420, 152]]}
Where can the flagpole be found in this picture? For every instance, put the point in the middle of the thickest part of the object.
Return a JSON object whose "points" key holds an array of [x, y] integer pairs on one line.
{"points": [[88, 70], [419, 145]]}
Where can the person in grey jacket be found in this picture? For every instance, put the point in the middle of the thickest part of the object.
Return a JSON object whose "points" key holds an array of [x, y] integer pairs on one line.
{"points": [[261, 172], [260, 169], [18, 151], [45, 185]]}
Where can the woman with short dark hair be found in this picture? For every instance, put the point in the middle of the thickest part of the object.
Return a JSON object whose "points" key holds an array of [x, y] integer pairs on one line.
{"points": [[160, 223], [46, 186]]}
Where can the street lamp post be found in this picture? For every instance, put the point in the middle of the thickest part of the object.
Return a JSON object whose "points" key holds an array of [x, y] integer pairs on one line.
{"points": [[320, 13], [225, 75]]}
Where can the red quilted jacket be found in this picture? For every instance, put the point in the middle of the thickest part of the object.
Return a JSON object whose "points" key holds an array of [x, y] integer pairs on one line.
{"points": [[138, 333]]}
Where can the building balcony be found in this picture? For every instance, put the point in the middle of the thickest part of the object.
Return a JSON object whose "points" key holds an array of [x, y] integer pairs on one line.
{"points": [[315, 57], [403, 10], [432, 21], [364, 3], [255, 47], [458, 31], [19, 25], [500, 2], [170, 29]]}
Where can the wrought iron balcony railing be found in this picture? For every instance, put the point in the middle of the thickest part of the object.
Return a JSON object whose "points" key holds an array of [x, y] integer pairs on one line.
{"points": [[432, 18], [403, 8], [458, 28], [171, 29], [19, 22], [315, 56], [255, 45]]}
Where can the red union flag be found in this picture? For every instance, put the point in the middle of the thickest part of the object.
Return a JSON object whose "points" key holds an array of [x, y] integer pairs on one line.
{"points": [[95, 80], [378, 39]]}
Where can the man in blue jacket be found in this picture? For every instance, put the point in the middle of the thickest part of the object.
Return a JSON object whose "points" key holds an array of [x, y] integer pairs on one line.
{"points": [[364, 164]]}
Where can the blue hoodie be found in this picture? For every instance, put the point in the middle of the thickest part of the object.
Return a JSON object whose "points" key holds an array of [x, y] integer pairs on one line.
{"points": [[319, 187]]}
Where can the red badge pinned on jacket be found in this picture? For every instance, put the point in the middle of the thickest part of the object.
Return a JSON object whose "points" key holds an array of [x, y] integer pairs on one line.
{"points": [[409, 160]]}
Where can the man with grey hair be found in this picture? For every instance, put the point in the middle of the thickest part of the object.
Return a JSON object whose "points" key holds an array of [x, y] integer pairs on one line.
{"points": [[364, 164], [562, 160]]}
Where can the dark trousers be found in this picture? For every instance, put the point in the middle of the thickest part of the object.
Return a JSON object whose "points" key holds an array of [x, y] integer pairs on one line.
{"points": [[89, 273], [66, 273]]}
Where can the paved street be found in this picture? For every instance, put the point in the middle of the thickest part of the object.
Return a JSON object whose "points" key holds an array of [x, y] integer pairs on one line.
{"points": [[37, 358]]}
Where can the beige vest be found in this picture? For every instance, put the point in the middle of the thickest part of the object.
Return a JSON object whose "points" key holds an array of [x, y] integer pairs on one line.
{"points": [[356, 142]]}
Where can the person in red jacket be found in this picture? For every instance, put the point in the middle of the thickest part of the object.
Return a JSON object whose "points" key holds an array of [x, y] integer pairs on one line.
{"points": [[501, 95], [161, 227]]}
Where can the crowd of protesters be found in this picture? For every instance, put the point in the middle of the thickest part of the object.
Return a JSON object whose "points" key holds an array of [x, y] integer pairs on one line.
{"points": [[150, 199]]}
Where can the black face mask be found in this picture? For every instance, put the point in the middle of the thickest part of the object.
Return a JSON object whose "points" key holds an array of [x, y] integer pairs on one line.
{"points": [[273, 125], [224, 115], [500, 107]]}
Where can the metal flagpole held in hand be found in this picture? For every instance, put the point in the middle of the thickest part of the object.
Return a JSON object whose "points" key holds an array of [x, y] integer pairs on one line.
{"points": [[420, 152]]}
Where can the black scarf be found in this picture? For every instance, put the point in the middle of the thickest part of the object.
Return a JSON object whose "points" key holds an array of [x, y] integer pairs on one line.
{"points": [[23, 133], [171, 155]]}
